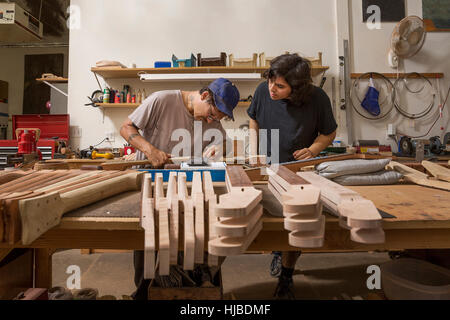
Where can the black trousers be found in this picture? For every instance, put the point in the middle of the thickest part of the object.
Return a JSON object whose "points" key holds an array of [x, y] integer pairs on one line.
{"points": [[142, 285]]}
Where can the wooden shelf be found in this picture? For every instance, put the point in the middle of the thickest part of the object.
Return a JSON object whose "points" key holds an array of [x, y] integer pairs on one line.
{"points": [[394, 75], [57, 80], [117, 105], [135, 105], [131, 73]]}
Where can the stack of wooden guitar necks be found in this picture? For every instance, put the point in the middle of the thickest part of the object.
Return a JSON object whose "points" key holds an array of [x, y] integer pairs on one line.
{"points": [[238, 215], [355, 212], [33, 202], [302, 208], [176, 219]]}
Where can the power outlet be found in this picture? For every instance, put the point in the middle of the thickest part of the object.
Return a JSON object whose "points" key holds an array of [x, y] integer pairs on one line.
{"points": [[75, 132], [111, 136]]}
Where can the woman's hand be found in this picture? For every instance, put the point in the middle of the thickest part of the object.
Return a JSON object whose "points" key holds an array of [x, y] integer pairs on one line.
{"points": [[303, 154]]}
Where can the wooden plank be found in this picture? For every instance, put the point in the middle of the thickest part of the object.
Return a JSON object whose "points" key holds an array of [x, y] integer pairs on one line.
{"points": [[148, 224], [417, 177], [237, 177], [308, 239], [43, 268], [199, 217], [361, 214], [238, 203], [238, 227], [369, 236], [285, 177], [174, 223], [40, 214], [213, 261], [230, 246], [310, 222], [189, 235], [437, 171], [164, 237], [409, 203], [199, 213]]}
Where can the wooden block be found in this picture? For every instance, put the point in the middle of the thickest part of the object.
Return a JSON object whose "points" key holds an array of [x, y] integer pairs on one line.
{"points": [[148, 224], [308, 239], [208, 187], [189, 235], [437, 171], [360, 213], [368, 236], [164, 238], [228, 246], [146, 189], [238, 203], [238, 227]]}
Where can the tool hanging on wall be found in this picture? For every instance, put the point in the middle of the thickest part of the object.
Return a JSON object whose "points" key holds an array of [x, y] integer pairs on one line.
{"points": [[96, 97], [370, 102], [370, 109]]}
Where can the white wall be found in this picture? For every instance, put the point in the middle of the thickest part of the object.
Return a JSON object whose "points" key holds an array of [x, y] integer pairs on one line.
{"points": [[370, 49], [12, 70], [142, 32]]}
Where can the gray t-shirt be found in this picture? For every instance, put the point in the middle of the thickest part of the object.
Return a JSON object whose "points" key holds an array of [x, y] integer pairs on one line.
{"points": [[160, 118]]}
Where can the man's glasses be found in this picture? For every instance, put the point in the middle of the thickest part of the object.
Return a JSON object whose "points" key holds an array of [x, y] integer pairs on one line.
{"points": [[211, 117]]}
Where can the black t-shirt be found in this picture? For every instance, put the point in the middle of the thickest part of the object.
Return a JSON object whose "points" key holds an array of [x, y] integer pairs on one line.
{"points": [[299, 125]]}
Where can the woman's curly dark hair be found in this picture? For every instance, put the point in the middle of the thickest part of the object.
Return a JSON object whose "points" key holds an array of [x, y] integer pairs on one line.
{"points": [[297, 73]]}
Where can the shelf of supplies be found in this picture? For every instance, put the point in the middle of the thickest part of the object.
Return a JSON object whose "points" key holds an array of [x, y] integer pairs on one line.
{"points": [[131, 73], [135, 105], [117, 105], [395, 75], [51, 80]]}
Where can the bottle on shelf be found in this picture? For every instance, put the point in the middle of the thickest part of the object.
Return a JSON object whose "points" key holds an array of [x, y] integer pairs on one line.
{"points": [[139, 96], [106, 95]]}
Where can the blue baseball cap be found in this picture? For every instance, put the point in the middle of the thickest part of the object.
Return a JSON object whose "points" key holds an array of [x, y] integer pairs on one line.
{"points": [[226, 96]]}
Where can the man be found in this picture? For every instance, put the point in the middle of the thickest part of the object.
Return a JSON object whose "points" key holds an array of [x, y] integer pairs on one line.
{"points": [[168, 116], [289, 102]]}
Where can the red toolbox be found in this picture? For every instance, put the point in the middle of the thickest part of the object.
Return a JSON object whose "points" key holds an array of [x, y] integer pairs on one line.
{"points": [[53, 128]]}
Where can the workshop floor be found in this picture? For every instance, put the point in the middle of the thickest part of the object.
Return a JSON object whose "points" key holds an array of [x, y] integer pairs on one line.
{"points": [[317, 276]]}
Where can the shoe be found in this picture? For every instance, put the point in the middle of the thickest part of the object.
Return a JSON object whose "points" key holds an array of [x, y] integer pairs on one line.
{"points": [[275, 266], [285, 289]]}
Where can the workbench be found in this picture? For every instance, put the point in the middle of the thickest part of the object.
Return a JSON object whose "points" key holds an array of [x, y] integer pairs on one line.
{"points": [[422, 221]]}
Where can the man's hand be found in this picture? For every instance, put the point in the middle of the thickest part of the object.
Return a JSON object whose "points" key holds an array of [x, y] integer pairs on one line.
{"points": [[212, 152], [303, 154], [157, 158]]}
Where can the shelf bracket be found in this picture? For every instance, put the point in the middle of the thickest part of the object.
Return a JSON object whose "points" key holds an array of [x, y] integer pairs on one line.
{"points": [[57, 89]]}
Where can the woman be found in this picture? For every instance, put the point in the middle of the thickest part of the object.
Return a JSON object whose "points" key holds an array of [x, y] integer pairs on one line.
{"points": [[302, 113]]}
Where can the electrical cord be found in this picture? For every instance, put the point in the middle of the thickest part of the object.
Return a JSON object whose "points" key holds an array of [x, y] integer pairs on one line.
{"points": [[432, 126], [402, 110], [356, 84], [106, 139]]}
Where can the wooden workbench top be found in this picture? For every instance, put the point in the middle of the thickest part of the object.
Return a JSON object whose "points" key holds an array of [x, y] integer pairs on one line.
{"points": [[413, 207]]}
